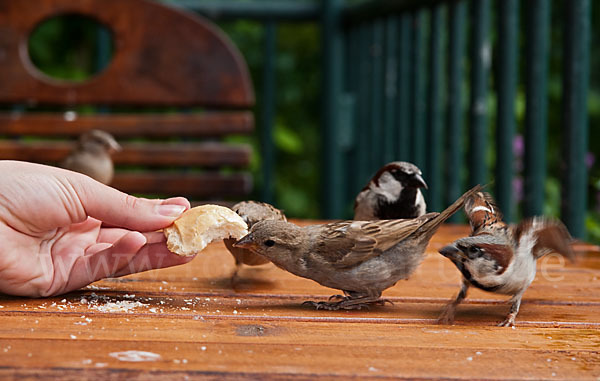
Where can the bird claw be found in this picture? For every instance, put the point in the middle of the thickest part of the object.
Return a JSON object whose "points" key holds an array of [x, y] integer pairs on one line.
{"points": [[382, 302], [345, 304], [445, 320], [446, 317], [338, 298], [329, 306], [508, 322]]}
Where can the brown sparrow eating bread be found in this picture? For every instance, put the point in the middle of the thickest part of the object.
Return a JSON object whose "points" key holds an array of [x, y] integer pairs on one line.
{"points": [[361, 258], [393, 192], [92, 156], [500, 258], [251, 212]]}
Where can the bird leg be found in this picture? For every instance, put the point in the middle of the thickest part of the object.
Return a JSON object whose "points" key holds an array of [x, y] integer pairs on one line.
{"points": [[514, 310], [235, 278], [447, 315]]}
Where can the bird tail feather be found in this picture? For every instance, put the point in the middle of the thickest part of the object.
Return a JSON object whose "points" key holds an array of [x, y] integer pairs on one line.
{"points": [[432, 225]]}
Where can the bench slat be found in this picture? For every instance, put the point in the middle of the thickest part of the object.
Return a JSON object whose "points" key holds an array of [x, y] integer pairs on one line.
{"points": [[125, 125], [192, 185], [145, 154]]}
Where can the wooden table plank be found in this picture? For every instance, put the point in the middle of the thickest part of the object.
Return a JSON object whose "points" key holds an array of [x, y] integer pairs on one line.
{"points": [[312, 359], [202, 326]]}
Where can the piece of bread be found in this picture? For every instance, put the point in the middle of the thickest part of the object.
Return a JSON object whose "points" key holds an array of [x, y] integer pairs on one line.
{"points": [[201, 225]]}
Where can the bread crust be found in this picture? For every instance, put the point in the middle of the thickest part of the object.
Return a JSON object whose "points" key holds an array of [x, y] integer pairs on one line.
{"points": [[199, 226]]}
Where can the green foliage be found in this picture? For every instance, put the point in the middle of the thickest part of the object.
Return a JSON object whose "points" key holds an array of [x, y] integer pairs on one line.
{"points": [[296, 132], [592, 225], [66, 47]]}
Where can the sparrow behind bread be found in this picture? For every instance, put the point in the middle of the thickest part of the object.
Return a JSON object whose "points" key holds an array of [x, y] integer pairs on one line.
{"points": [[361, 258], [92, 156], [252, 212], [392, 193], [499, 258]]}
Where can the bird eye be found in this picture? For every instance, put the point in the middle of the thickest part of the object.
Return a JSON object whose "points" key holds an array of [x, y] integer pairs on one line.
{"points": [[269, 243], [473, 249]]}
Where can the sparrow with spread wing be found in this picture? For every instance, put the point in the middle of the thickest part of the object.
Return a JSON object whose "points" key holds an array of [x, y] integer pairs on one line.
{"points": [[500, 258]]}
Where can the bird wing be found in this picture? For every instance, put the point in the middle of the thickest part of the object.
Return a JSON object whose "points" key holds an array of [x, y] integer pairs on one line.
{"points": [[552, 236], [347, 243]]}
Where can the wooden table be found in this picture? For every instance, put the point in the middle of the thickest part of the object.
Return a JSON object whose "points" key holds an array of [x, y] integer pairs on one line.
{"points": [[189, 322]]}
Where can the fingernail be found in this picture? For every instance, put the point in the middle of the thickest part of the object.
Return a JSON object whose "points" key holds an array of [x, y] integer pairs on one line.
{"points": [[170, 210]]}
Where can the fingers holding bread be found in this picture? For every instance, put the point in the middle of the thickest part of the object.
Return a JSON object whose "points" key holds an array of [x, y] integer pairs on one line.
{"points": [[199, 226]]}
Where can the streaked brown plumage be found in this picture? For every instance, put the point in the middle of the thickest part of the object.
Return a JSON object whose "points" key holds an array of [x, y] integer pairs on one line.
{"points": [[361, 258], [92, 156], [500, 258], [252, 212]]}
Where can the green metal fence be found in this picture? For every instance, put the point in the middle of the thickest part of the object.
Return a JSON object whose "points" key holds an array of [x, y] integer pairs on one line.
{"points": [[393, 89]]}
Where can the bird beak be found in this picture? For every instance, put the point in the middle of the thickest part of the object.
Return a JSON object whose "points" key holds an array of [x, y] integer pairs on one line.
{"points": [[418, 182], [450, 251], [246, 242]]}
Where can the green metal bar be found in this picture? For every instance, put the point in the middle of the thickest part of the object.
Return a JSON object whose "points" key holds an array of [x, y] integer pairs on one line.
{"points": [[376, 117], [332, 53], [508, 47], [367, 10], [574, 110], [363, 171], [419, 124], [268, 114], [456, 52], [404, 87], [433, 172], [536, 76], [262, 10], [351, 74], [347, 139], [480, 62], [390, 90]]}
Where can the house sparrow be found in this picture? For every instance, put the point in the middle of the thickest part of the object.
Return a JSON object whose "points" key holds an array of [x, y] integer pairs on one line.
{"points": [[251, 212], [392, 193], [361, 258], [92, 156], [500, 258]]}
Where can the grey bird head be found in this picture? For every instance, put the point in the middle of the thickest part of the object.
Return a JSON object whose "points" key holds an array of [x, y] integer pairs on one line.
{"points": [[408, 174], [481, 254], [274, 239]]}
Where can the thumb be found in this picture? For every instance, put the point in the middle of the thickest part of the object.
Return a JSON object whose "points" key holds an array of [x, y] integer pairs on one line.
{"points": [[120, 209]]}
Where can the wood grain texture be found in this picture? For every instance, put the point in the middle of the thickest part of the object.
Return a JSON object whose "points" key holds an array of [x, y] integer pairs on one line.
{"points": [[149, 125], [149, 65], [208, 154], [196, 186], [203, 326]]}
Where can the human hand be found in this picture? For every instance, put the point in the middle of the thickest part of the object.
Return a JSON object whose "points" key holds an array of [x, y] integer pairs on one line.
{"points": [[62, 230]]}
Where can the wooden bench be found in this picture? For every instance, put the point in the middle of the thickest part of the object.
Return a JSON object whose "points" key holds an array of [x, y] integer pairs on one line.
{"points": [[163, 58]]}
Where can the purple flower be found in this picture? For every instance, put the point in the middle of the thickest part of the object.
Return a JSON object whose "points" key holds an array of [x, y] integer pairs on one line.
{"points": [[518, 145], [590, 159]]}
